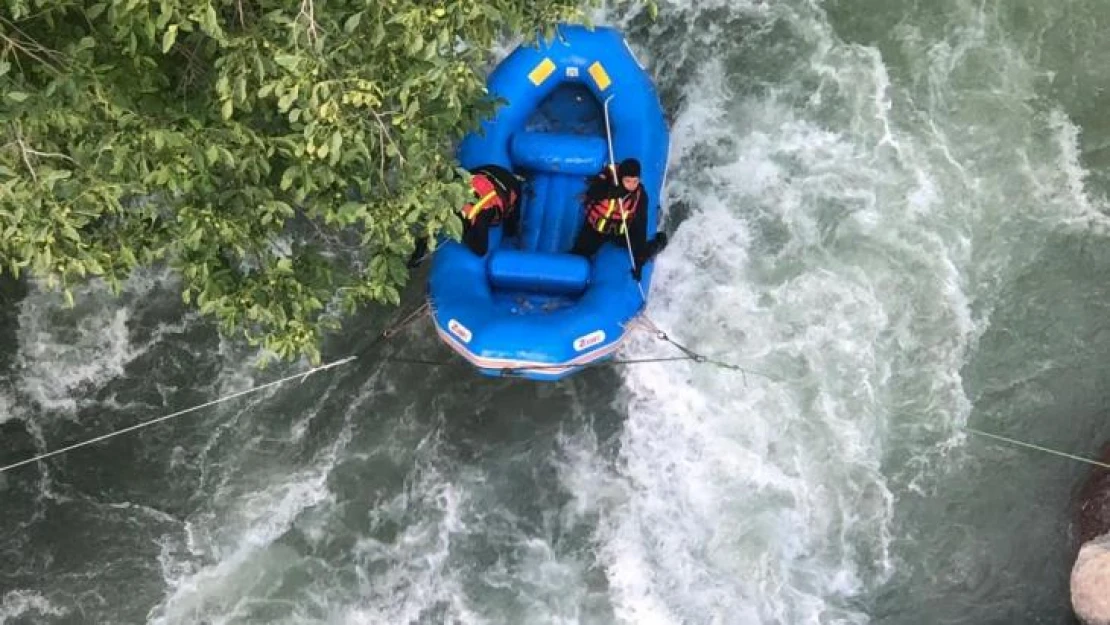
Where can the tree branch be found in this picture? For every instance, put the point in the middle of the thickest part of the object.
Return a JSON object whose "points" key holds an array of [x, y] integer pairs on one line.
{"points": [[385, 132], [32, 48], [308, 11], [17, 45], [49, 155], [194, 70], [23, 153]]}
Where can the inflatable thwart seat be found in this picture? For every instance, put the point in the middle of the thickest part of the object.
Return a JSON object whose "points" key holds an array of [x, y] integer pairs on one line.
{"points": [[530, 308]]}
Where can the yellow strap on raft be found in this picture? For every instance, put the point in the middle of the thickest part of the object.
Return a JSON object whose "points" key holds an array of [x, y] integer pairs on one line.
{"points": [[600, 76]]}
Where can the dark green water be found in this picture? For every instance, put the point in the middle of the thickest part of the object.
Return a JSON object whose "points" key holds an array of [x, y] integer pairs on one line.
{"points": [[895, 208]]}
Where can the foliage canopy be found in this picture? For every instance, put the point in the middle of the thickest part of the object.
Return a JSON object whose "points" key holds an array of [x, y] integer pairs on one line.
{"points": [[280, 156]]}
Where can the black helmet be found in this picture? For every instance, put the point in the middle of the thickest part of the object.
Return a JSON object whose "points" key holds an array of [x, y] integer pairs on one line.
{"points": [[629, 167]]}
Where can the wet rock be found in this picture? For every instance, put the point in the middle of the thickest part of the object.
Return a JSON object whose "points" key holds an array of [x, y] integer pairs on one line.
{"points": [[1090, 582], [1090, 576], [1093, 501]]}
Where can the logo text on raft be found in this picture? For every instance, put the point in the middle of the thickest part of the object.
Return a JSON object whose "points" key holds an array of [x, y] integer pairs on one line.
{"points": [[587, 341], [459, 330]]}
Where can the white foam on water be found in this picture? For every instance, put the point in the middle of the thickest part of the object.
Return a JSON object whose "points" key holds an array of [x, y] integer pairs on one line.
{"points": [[26, 604], [8, 409], [406, 578], [416, 575], [822, 255], [1061, 183], [834, 256], [60, 363], [229, 554], [238, 549], [850, 245], [749, 503], [58, 371]]}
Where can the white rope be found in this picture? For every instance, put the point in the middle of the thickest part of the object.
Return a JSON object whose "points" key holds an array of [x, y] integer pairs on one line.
{"points": [[179, 413], [616, 181], [1014, 441]]}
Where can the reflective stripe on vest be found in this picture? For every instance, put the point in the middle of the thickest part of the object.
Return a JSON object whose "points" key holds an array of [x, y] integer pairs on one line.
{"points": [[477, 207], [602, 213], [488, 198]]}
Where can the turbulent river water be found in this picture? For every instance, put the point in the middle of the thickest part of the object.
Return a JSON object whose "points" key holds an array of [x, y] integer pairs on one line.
{"points": [[893, 209]]}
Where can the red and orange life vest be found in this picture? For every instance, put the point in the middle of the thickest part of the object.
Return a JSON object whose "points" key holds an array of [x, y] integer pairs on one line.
{"points": [[489, 195], [612, 216]]}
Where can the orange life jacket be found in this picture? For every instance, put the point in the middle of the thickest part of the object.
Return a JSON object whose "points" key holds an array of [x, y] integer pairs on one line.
{"points": [[612, 216], [489, 195]]}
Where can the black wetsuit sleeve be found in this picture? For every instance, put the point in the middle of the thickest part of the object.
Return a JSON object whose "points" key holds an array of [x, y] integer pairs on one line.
{"points": [[637, 231], [588, 242], [602, 187], [476, 235], [418, 253]]}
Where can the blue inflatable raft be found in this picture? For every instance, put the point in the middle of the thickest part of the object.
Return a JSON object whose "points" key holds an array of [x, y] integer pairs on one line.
{"points": [[529, 308]]}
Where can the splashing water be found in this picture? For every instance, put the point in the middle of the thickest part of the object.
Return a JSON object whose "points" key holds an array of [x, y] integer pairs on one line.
{"points": [[896, 210]]}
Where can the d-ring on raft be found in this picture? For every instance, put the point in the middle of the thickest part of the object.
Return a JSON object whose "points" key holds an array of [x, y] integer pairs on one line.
{"points": [[529, 306]]}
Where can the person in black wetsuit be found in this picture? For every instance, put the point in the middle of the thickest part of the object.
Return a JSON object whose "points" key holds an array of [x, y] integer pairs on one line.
{"points": [[496, 201], [616, 209]]}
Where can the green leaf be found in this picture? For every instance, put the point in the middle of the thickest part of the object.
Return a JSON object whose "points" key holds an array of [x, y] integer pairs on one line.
{"points": [[288, 61], [240, 88], [392, 296], [142, 117], [397, 270], [336, 142], [168, 38], [352, 22], [287, 178], [210, 23], [285, 101]]}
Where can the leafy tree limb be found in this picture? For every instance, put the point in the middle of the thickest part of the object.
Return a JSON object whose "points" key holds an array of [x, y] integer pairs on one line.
{"points": [[282, 158]]}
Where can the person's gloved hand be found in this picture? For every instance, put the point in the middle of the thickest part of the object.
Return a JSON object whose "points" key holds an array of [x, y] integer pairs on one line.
{"points": [[659, 243], [419, 253], [415, 261], [656, 245]]}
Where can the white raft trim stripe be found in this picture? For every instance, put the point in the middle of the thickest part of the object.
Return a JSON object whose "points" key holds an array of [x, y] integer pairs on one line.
{"points": [[529, 366]]}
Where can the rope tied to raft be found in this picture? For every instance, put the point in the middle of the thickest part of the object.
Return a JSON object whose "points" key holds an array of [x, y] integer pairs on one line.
{"points": [[385, 335], [1040, 448], [302, 376], [642, 321]]}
